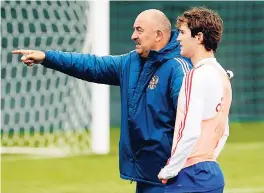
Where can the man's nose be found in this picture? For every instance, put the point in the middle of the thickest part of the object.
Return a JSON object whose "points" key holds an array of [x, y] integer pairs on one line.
{"points": [[134, 36], [179, 38]]}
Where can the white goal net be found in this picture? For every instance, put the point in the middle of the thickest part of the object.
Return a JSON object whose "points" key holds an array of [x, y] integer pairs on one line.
{"points": [[44, 111]]}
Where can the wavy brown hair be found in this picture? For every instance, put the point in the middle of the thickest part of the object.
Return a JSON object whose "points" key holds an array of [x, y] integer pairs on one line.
{"points": [[201, 19]]}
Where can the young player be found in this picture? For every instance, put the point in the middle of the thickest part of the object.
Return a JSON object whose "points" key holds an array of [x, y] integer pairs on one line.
{"points": [[201, 127]]}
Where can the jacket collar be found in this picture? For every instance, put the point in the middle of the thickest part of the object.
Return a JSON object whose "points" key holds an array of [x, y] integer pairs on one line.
{"points": [[171, 50]]}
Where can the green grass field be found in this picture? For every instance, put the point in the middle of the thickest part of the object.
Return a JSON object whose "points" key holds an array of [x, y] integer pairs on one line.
{"points": [[242, 162]]}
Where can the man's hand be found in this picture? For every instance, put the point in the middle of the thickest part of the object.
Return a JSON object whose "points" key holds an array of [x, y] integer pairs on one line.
{"points": [[31, 57], [164, 181]]}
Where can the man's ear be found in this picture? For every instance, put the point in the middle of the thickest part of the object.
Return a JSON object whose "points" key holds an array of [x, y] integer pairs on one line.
{"points": [[200, 37], [159, 35]]}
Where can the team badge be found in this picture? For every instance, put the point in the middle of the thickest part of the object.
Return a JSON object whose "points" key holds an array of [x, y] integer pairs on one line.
{"points": [[153, 83]]}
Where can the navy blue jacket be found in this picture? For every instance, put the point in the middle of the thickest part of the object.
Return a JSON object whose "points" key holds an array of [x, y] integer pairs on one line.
{"points": [[149, 93]]}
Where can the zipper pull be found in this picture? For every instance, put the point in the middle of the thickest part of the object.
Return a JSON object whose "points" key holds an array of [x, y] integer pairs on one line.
{"points": [[131, 181]]}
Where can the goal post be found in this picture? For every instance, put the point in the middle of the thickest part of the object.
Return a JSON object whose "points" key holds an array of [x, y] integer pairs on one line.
{"points": [[100, 93], [43, 111]]}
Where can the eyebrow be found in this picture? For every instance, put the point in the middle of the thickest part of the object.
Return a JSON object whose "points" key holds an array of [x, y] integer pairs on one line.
{"points": [[138, 27], [181, 30]]}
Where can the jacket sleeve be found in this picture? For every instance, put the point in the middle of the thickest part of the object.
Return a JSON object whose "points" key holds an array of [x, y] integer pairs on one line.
{"points": [[180, 70], [92, 68]]}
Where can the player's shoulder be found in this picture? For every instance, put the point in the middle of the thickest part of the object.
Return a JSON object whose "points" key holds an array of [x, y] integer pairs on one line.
{"points": [[203, 73], [208, 68], [204, 69]]}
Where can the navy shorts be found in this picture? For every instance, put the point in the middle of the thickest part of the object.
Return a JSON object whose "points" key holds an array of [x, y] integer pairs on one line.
{"points": [[218, 190], [204, 177]]}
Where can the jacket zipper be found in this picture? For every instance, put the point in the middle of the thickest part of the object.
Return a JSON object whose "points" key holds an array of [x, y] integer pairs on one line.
{"points": [[128, 130]]}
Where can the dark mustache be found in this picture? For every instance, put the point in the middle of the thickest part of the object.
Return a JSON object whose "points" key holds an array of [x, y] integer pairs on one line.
{"points": [[136, 42]]}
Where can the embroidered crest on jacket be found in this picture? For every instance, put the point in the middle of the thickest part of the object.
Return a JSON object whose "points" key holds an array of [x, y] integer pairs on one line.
{"points": [[153, 83]]}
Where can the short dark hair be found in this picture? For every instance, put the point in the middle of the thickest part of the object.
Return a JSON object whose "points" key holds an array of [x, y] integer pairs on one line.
{"points": [[201, 19]]}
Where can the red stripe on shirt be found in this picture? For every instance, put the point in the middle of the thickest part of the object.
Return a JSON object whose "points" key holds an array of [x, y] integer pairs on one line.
{"points": [[188, 81], [188, 94], [188, 88]]}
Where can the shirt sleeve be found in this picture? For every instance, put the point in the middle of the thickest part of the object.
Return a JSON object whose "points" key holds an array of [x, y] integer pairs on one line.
{"points": [[190, 127]]}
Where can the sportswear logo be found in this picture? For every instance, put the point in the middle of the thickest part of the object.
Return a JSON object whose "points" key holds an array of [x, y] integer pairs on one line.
{"points": [[219, 106], [153, 83]]}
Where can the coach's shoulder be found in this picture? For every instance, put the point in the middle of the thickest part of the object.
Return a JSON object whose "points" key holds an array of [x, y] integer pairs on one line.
{"points": [[181, 64], [182, 61]]}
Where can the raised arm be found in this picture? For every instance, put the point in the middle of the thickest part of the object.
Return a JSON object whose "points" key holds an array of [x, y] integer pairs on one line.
{"points": [[105, 70]]}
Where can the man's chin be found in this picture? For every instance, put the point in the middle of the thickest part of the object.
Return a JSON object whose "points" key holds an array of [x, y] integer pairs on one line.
{"points": [[139, 51], [183, 53], [144, 55]]}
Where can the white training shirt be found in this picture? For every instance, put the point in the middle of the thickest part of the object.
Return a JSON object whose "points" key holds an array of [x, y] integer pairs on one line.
{"points": [[201, 127]]}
